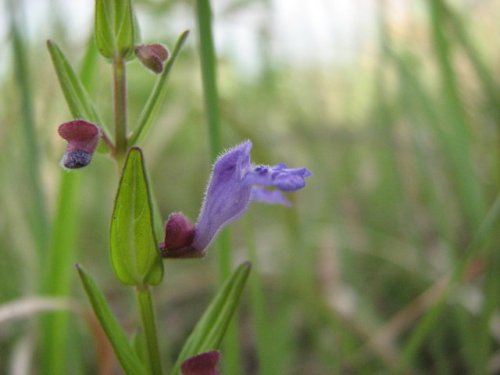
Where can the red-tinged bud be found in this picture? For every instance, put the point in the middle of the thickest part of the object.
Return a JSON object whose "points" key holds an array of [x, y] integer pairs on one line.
{"points": [[152, 56], [179, 234], [202, 364], [82, 137]]}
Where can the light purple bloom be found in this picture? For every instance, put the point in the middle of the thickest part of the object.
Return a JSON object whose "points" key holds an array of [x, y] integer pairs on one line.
{"points": [[234, 183]]}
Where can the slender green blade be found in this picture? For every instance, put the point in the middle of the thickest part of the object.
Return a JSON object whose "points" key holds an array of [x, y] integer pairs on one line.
{"points": [[79, 102], [57, 273], [127, 356], [157, 96], [103, 28], [36, 210], [210, 330], [208, 66], [61, 252], [88, 66], [134, 254]]}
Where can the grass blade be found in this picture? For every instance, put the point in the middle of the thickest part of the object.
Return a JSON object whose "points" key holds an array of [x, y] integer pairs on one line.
{"points": [[37, 213], [57, 271]]}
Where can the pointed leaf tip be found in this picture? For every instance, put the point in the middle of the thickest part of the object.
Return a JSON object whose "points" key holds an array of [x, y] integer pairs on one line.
{"points": [[133, 246]]}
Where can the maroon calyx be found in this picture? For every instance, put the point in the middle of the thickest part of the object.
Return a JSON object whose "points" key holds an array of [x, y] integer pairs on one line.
{"points": [[202, 364], [82, 137], [152, 56], [179, 235]]}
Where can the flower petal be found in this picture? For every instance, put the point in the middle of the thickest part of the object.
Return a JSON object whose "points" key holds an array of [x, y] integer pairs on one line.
{"points": [[227, 195], [280, 176], [269, 196]]}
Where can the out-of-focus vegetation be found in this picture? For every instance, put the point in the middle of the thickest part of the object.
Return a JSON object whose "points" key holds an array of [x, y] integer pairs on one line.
{"points": [[388, 261]]}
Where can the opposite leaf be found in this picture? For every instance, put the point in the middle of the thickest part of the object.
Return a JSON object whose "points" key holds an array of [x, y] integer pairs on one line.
{"points": [[157, 96], [133, 247], [210, 329], [126, 29], [103, 28], [79, 102], [129, 360], [115, 28]]}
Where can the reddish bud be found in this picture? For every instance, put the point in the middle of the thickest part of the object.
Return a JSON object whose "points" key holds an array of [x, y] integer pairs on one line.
{"points": [[202, 364], [152, 56], [179, 234], [82, 137]]}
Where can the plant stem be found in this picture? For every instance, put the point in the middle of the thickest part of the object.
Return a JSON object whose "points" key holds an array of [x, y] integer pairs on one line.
{"points": [[149, 327], [120, 106], [232, 362], [209, 74], [57, 274]]}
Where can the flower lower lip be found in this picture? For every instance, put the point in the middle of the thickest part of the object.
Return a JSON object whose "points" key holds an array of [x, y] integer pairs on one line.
{"points": [[76, 159]]}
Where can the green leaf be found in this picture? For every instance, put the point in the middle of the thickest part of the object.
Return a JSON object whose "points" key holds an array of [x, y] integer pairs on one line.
{"points": [[128, 358], [103, 28], [116, 28], [125, 28], [210, 330], [157, 96], [134, 249], [79, 102]]}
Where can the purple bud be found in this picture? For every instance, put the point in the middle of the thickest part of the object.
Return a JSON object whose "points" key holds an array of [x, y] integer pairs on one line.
{"points": [[179, 234], [82, 137], [152, 56], [202, 364]]}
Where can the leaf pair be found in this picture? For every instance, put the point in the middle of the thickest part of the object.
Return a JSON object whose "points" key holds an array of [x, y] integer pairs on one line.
{"points": [[207, 335], [82, 106]]}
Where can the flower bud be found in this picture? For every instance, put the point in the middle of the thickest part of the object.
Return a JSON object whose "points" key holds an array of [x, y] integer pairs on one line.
{"points": [[152, 56], [82, 137], [179, 234], [201, 364]]}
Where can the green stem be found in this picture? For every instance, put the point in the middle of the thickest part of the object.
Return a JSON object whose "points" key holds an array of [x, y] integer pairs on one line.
{"points": [[209, 77], [209, 74], [37, 213], [120, 106], [57, 274], [149, 327]]}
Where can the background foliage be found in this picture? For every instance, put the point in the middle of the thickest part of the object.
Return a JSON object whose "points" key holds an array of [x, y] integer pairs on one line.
{"points": [[402, 137]]}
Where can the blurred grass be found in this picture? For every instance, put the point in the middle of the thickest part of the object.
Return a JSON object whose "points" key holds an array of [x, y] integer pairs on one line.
{"points": [[404, 146]]}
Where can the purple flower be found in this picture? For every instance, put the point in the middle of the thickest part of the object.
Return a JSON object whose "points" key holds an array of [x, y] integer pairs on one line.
{"points": [[234, 183], [152, 56], [82, 137]]}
